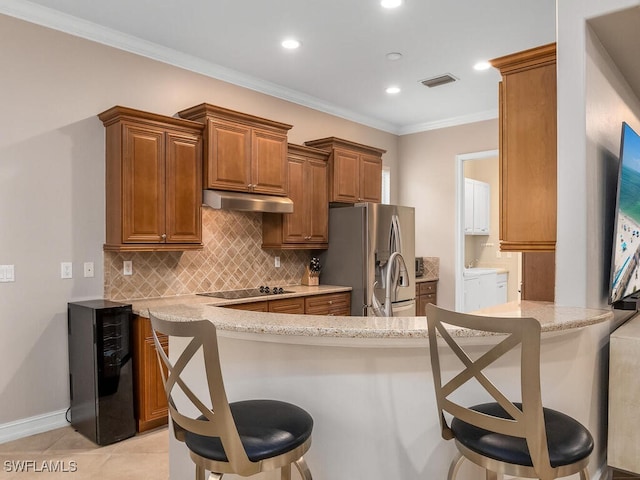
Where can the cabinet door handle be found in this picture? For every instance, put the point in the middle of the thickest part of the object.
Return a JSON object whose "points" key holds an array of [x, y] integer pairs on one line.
{"points": [[330, 302], [164, 236]]}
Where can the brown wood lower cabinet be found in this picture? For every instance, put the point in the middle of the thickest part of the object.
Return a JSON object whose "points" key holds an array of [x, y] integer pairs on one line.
{"points": [[329, 304], [538, 276], [426, 292], [251, 307], [287, 305], [150, 399]]}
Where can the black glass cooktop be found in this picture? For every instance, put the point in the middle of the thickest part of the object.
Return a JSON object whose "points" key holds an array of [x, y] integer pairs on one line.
{"points": [[247, 293]]}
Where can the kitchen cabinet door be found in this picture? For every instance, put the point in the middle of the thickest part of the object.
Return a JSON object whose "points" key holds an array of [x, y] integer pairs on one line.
{"points": [[150, 398], [426, 292], [143, 195], [355, 170], [183, 178], [481, 208], [345, 184], [287, 305], [477, 207], [538, 276], [269, 163], [317, 188], [295, 224], [252, 306], [528, 138], [230, 145], [153, 181], [370, 179], [243, 152], [329, 304], [308, 226]]}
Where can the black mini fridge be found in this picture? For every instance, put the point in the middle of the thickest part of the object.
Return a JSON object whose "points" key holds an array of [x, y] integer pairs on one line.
{"points": [[100, 370]]}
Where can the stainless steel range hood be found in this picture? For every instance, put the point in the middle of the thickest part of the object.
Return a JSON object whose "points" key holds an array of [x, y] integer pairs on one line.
{"points": [[246, 202]]}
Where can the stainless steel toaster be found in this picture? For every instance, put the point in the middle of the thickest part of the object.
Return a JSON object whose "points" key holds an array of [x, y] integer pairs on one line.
{"points": [[419, 266]]}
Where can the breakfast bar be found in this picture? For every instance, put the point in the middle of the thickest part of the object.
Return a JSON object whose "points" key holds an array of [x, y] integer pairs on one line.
{"points": [[367, 381]]}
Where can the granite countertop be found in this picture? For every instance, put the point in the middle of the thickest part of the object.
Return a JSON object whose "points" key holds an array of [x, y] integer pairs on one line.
{"points": [[426, 278], [141, 306], [312, 329]]}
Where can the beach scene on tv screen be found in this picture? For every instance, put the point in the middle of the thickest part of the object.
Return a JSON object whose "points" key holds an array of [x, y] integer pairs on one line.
{"points": [[626, 273]]}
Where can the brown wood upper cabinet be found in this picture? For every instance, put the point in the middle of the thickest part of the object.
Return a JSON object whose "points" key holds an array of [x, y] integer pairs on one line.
{"points": [[243, 153], [308, 226], [153, 181], [355, 170], [528, 150]]}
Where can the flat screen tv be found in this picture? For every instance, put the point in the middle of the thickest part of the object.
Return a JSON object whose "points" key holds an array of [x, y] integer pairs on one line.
{"points": [[625, 265]]}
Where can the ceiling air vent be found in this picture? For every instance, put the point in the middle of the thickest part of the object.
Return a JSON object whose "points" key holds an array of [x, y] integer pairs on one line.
{"points": [[439, 80]]}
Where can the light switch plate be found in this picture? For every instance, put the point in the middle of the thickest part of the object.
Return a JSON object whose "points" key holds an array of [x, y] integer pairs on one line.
{"points": [[7, 274], [66, 270]]}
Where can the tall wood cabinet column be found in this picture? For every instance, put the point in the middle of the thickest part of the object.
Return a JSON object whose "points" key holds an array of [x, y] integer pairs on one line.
{"points": [[528, 176], [528, 186]]}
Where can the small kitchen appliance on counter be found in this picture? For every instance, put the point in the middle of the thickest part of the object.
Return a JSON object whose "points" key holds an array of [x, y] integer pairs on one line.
{"points": [[419, 266]]}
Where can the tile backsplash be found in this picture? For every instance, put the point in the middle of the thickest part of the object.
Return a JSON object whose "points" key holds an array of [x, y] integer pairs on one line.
{"points": [[231, 259], [431, 267]]}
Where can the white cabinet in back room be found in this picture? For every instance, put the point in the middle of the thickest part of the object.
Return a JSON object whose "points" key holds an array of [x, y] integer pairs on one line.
{"points": [[484, 287], [477, 204]]}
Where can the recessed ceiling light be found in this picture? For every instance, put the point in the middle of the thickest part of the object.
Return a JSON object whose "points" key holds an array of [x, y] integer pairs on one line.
{"points": [[482, 66], [390, 3], [291, 43], [392, 90], [394, 56]]}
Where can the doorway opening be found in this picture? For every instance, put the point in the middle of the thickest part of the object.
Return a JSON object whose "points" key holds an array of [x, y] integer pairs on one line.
{"points": [[484, 276]]}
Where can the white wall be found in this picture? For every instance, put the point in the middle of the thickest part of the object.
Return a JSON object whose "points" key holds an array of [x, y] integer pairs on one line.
{"points": [[52, 87], [610, 101], [582, 136], [428, 180]]}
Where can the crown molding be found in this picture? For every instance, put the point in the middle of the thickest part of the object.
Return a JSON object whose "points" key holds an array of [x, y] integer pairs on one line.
{"points": [[448, 122], [50, 18]]}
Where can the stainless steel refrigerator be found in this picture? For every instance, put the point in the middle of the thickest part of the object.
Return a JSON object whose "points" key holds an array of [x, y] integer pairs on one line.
{"points": [[372, 250]]}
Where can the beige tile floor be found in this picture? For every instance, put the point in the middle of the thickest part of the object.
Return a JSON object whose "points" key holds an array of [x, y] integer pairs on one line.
{"points": [[140, 457], [65, 450]]}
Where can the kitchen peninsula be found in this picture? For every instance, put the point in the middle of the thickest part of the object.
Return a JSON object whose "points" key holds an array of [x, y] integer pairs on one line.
{"points": [[367, 381]]}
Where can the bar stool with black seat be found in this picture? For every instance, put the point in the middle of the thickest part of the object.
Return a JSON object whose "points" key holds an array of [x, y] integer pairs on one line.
{"points": [[503, 436], [245, 437]]}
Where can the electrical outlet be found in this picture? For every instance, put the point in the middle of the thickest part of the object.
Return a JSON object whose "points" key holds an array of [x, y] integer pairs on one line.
{"points": [[276, 262], [88, 269], [498, 254], [66, 270], [127, 267]]}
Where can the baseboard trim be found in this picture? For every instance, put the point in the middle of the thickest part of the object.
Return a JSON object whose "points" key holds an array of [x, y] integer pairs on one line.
{"points": [[32, 425]]}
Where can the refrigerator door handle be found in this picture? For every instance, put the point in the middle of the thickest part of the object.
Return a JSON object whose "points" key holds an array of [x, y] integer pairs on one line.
{"points": [[395, 242]]}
